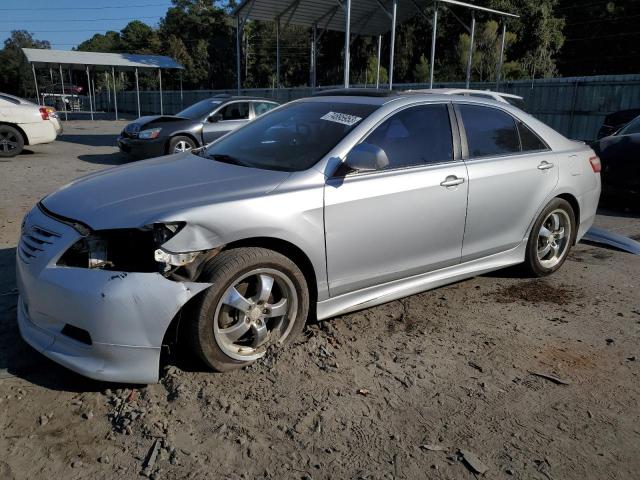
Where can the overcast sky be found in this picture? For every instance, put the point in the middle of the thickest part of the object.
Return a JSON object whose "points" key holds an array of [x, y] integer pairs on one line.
{"points": [[66, 23]]}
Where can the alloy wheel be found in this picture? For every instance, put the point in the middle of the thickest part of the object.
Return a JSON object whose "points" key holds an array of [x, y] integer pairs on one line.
{"points": [[553, 238], [182, 146], [8, 141], [256, 311]]}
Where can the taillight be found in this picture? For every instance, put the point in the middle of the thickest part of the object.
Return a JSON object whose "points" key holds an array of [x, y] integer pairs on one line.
{"points": [[596, 166], [44, 113]]}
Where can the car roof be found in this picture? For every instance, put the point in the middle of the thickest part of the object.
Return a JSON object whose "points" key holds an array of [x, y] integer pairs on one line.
{"points": [[223, 97], [17, 99]]}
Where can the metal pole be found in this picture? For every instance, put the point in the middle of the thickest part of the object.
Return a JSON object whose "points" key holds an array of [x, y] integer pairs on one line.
{"points": [[499, 73], [238, 79], [71, 86], [434, 28], [138, 93], [64, 105], [115, 92], [89, 88], [470, 59], [347, 38], [314, 39], [160, 79], [107, 82], [93, 89], [278, 52], [378, 67], [393, 42], [181, 97], [35, 80]]}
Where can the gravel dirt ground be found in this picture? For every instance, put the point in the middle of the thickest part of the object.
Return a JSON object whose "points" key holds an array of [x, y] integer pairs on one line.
{"points": [[529, 379]]}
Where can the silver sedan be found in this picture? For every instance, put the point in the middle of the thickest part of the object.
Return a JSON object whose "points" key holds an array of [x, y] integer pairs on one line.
{"points": [[326, 205]]}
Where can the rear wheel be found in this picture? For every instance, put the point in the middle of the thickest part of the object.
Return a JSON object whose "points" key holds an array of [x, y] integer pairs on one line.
{"points": [[258, 299], [181, 144], [11, 141], [551, 238]]}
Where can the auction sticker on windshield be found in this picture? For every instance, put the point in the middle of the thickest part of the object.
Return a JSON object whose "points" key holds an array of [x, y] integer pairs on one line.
{"points": [[342, 118]]}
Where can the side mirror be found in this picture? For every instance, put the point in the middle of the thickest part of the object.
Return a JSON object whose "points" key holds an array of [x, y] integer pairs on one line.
{"points": [[366, 157], [214, 118]]}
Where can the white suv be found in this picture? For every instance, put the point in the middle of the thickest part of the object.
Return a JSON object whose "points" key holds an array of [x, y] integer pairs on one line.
{"points": [[25, 123]]}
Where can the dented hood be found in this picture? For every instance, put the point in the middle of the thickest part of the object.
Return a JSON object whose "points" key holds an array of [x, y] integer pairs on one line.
{"points": [[140, 193]]}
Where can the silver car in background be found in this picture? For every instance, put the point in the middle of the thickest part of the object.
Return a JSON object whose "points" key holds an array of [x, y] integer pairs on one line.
{"points": [[326, 205]]}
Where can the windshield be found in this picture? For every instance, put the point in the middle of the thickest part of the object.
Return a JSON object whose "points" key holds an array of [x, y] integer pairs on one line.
{"points": [[198, 110], [291, 138], [631, 127]]}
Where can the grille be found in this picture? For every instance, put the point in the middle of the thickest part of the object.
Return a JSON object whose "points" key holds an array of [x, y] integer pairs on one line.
{"points": [[34, 241]]}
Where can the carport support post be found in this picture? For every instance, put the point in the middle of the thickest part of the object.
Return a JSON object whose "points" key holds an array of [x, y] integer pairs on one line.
{"points": [[434, 27], [160, 80], [35, 81], [470, 58], [347, 40], [89, 88], [278, 52], [378, 67], [138, 91], [393, 42], [115, 97], [64, 105], [238, 73], [106, 79], [499, 72], [314, 39]]}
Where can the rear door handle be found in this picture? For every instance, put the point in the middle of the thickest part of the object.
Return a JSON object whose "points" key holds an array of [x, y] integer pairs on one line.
{"points": [[451, 181], [544, 165]]}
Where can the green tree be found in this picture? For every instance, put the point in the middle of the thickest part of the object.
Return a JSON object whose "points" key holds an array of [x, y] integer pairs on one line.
{"points": [[421, 70], [15, 73]]}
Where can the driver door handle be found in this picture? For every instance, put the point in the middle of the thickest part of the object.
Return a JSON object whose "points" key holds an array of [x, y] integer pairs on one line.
{"points": [[544, 165], [451, 181]]}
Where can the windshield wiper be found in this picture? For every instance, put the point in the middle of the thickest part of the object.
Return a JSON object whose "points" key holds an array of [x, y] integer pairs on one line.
{"points": [[220, 157]]}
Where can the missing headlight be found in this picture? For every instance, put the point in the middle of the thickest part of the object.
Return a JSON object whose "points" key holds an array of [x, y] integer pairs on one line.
{"points": [[125, 250]]}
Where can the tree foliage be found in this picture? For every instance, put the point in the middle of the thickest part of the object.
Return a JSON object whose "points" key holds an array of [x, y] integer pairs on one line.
{"points": [[201, 35]]}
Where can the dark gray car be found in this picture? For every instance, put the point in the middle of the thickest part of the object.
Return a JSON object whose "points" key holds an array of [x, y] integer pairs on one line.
{"points": [[197, 125]]}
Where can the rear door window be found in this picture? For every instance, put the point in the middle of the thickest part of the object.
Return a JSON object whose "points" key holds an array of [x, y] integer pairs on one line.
{"points": [[263, 107], [490, 132], [415, 136], [530, 141], [235, 111]]}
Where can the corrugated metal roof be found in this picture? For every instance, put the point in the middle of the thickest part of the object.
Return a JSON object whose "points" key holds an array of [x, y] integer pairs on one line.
{"points": [[46, 57], [368, 17]]}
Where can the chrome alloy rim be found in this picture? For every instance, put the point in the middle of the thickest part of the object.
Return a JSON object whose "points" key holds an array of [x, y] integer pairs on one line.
{"points": [[258, 309], [553, 238], [8, 141], [181, 146]]}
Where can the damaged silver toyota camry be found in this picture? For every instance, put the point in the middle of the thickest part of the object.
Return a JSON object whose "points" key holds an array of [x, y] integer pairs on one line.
{"points": [[324, 205]]}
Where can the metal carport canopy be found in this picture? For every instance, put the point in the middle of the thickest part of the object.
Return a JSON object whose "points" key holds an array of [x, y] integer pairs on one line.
{"points": [[359, 17], [76, 60]]}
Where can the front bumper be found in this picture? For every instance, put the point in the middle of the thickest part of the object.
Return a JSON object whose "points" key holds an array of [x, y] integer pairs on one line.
{"points": [[125, 314], [137, 148]]}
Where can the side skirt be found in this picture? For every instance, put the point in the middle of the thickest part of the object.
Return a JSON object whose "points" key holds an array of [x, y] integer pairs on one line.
{"points": [[387, 292]]}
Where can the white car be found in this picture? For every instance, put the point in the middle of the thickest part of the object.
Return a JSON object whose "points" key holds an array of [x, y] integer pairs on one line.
{"points": [[25, 123], [509, 98]]}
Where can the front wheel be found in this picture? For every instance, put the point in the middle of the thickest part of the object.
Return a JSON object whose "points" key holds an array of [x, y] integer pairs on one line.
{"points": [[181, 144], [551, 238], [258, 298]]}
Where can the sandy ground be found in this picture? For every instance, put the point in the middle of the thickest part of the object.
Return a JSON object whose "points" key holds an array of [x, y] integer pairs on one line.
{"points": [[411, 389]]}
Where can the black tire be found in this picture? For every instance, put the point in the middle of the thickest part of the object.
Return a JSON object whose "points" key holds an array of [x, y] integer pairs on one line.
{"points": [[179, 139], [11, 141], [222, 271], [532, 264]]}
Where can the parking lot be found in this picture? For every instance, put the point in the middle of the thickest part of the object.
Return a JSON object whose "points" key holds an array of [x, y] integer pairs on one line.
{"points": [[532, 378]]}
